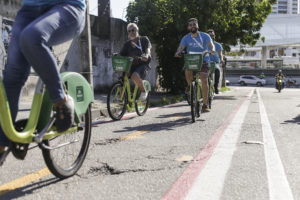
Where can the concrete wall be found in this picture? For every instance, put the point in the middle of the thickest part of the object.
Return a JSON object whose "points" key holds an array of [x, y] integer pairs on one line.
{"points": [[103, 74], [108, 36]]}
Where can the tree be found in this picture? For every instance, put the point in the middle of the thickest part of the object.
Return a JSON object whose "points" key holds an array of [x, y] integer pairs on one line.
{"points": [[165, 22]]}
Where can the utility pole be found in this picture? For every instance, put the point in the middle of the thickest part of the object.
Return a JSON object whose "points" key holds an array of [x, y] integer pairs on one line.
{"points": [[85, 49]]}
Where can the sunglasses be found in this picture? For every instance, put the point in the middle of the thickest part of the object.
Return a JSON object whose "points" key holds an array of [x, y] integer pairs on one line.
{"points": [[131, 30]]}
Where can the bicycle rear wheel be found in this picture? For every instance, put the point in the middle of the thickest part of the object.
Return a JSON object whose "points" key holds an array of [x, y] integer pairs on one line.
{"points": [[141, 106], [193, 101], [116, 104], [65, 161]]}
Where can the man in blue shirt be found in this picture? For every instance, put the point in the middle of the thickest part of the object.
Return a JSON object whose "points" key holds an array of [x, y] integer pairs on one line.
{"points": [[198, 42], [217, 58]]}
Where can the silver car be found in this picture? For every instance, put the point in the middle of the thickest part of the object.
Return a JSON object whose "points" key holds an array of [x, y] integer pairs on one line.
{"points": [[251, 80]]}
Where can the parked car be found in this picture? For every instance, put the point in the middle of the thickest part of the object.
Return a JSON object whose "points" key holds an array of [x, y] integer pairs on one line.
{"points": [[251, 80]]}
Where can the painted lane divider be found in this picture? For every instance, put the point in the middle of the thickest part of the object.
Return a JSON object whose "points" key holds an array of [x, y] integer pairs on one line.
{"points": [[279, 188], [203, 178], [20, 182]]}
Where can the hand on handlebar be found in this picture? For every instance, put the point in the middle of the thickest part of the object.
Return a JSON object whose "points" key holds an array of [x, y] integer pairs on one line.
{"points": [[178, 54]]}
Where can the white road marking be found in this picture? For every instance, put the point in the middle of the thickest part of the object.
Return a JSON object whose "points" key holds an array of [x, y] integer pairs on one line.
{"points": [[279, 188], [209, 184]]}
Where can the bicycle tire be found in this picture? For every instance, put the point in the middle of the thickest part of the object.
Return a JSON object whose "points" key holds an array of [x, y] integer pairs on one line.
{"points": [[116, 106], [59, 160], [198, 105], [141, 107], [193, 101]]}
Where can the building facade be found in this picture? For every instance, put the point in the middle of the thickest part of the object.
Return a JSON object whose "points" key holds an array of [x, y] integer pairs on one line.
{"points": [[286, 7]]}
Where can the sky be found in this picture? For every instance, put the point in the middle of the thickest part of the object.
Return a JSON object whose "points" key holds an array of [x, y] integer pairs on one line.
{"points": [[118, 8]]}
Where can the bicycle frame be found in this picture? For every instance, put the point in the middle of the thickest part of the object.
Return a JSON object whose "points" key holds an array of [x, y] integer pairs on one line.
{"points": [[35, 118], [127, 88]]}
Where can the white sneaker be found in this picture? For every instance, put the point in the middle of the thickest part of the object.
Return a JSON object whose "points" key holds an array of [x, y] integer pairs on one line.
{"points": [[143, 96]]}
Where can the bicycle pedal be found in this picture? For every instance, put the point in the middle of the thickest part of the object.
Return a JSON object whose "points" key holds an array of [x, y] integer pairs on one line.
{"points": [[19, 150]]}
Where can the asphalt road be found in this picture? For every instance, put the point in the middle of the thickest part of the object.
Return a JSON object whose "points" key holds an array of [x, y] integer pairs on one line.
{"points": [[246, 148]]}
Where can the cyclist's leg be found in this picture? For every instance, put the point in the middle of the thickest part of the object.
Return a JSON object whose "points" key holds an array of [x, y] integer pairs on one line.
{"points": [[205, 88], [217, 78], [59, 24], [188, 77], [204, 80], [17, 68], [138, 74]]}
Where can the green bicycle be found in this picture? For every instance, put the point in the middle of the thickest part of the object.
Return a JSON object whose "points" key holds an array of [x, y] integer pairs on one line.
{"points": [[120, 96], [63, 152], [193, 62]]}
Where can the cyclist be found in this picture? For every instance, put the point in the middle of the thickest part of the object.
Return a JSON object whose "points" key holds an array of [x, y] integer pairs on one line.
{"points": [[39, 25], [138, 47], [262, 76], [217, 58], [197, 41]]}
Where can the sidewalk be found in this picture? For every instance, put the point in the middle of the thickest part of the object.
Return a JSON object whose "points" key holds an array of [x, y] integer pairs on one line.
{"points": [[99, 107]]}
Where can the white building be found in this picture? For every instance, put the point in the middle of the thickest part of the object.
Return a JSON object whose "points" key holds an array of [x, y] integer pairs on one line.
{"points": [[286, 7], [282, 42]]}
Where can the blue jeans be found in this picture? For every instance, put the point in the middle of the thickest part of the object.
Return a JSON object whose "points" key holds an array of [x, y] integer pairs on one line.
{"points": [[35, 30]]}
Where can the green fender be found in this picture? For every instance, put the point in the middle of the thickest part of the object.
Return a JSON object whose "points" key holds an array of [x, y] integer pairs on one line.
{"points": [[78, 88]]}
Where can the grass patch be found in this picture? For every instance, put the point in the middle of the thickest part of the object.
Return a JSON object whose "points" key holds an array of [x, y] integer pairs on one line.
{"points": [[224, 89]]}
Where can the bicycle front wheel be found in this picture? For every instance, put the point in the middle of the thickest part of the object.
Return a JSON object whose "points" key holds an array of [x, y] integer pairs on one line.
{"points": [[193, 101], [116, 101], [65, 161], [141, 106]]}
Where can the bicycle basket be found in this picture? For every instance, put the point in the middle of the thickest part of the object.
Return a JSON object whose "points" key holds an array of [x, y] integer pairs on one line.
{"points": [[193, 62], [212, 67], [121, 63]]}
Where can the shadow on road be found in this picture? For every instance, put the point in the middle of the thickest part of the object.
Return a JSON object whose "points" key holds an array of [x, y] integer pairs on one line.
{"points": [[295, 120], [28, 189], [176, 120]]}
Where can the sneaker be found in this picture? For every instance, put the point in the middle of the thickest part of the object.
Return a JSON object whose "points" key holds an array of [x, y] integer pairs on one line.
{"points": [[143, 96], [64, 115], [205, 108], [3, 156]]}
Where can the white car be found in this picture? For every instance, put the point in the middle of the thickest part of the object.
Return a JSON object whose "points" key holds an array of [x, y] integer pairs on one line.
{"points": [[251, 80]]}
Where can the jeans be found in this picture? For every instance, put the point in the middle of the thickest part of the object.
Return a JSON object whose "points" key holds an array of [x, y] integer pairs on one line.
{"points": [[35, 30]]}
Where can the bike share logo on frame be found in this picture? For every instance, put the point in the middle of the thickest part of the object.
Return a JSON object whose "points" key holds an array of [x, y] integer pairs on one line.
{"points": [[79, 94]]}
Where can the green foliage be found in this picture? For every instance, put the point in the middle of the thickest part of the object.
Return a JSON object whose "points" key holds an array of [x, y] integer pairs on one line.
{"points": [[165, 23]]}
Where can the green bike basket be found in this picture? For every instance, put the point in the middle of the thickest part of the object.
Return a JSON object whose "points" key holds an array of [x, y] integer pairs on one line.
{"points": [[212, 67], [193, 62], [121, 63]]}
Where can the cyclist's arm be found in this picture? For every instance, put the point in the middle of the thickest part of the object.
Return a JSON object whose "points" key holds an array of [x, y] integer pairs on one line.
{"points": [[211, 46], [179, 50], [221, 56], [147, 55]]}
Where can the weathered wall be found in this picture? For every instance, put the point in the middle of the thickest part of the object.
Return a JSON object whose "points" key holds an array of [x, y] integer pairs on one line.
{"points": [[9, 8], [108, 36]]}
